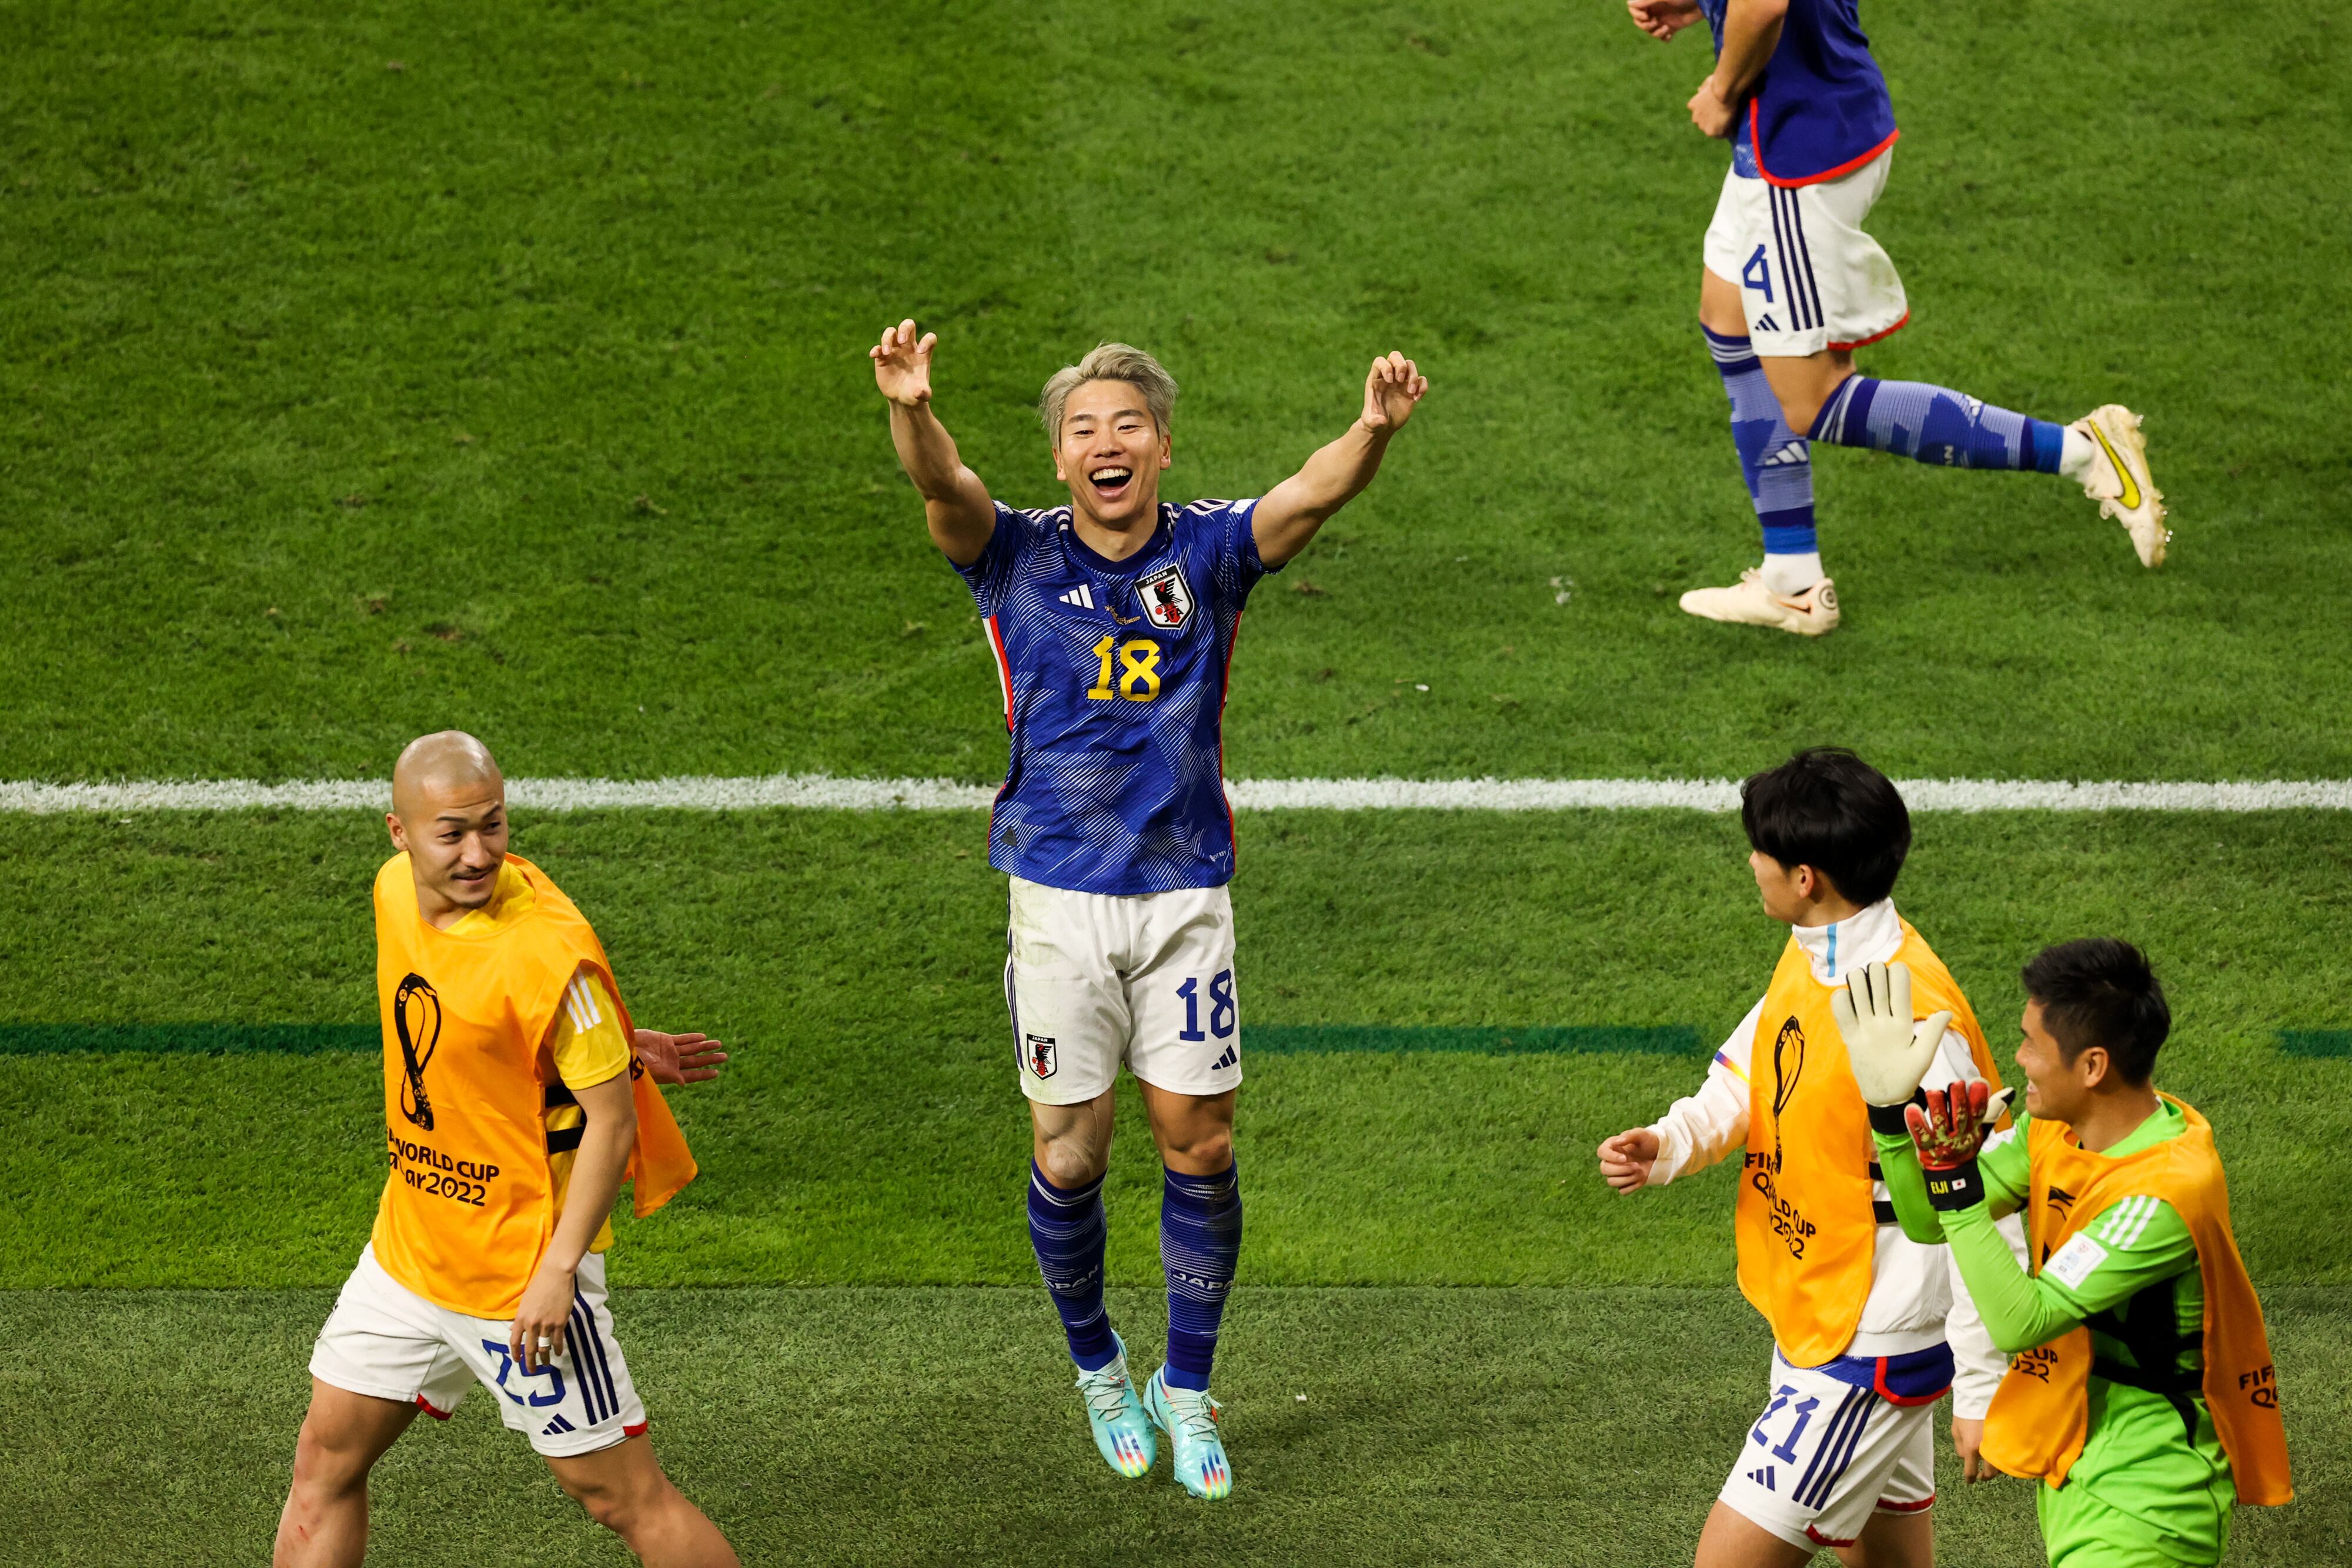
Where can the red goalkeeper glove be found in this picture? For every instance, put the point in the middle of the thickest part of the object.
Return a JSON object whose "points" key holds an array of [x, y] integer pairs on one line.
{"points": [[1948, 1131]]}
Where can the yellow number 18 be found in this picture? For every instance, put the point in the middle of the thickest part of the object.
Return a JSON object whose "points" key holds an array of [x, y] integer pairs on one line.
{"points": [[1139, 671]]}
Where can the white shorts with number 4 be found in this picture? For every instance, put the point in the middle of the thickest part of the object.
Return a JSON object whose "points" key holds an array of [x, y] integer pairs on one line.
{"points": [[1827, 1454], [385, 1341], [1096, 979], [1808, 277]]}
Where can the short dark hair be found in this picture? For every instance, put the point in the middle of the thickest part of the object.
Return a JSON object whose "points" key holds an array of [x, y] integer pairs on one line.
{"points": [[1828, 808], [2100, 991]]}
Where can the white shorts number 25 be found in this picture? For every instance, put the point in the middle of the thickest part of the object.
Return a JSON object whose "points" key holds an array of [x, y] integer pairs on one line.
{"points": [[1096, 979]]}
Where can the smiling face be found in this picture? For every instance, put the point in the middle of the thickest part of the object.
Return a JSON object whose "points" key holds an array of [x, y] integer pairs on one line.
{"points": [[449, 814], [1111, 453], [2055, 1089]]}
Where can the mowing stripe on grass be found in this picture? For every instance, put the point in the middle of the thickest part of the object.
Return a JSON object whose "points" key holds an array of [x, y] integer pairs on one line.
{"points": [[1644, 1039], [188, 1038], [1277, 1040], [2315, 1042], [822, 791]]}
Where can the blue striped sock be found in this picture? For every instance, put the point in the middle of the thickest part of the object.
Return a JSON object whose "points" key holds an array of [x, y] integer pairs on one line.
{"points": [[1775, 461], [1935, 424], [1199, 1242], [1068, 1229]]}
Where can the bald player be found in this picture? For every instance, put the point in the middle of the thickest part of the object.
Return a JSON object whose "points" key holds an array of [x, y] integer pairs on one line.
{"points": [[514, 1107]]}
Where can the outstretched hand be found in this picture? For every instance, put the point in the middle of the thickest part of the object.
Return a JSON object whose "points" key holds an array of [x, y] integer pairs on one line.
{"points": [[1627, 1158], [1888, 1052], [680, 1057], [1662, 19], [1390, 392], [1949, 1129], [902, 364]]}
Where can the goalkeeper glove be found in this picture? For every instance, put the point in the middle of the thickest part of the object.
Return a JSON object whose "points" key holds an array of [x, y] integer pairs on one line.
{"points": [[1948, 1130], [1888, 1052]]}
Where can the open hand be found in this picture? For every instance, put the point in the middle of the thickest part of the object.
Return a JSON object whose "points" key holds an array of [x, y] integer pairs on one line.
{"points": [[1951, 1127], [1662, 19], [680, 1057], [1390, 392], [1888, 1052], [902, 363], [1626, 1159], [1710, 113], [536, 1336], [1967, 1441]]}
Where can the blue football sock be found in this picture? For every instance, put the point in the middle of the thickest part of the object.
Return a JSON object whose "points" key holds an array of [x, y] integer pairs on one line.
{"points": [[1200, 1242], [1066, 1228], [1775, 462], [1935, 424]]}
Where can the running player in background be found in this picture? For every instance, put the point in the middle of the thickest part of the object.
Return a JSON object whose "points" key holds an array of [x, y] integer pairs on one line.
{"points": [[514, 1108], [1844, 1453], [1113, 619], [2142, 1393], [1792, 286]]}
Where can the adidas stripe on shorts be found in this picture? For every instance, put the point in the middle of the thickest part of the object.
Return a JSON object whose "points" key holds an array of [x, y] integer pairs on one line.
{"points": [[1808, 277], [1828, 1452], [386, 1341], [1096, 979]]}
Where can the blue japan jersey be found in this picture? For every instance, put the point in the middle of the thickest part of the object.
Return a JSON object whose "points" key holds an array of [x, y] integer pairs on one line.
{"points": [[1114, 675], [1821, 108]]}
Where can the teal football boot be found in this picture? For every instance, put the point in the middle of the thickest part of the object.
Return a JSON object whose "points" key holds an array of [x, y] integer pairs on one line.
{"points": [[1123, 1434], [1190, 1419]]}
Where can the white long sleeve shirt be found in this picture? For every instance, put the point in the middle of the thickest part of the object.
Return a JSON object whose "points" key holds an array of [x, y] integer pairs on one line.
{"points": [[1911, 1286]]}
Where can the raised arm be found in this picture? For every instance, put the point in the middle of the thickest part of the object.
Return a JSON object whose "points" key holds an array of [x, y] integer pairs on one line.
{"points": [[1286, 518], [955, 503]]}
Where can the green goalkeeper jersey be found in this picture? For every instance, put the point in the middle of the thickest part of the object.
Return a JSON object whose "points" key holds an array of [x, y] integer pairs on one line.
{"points": [[2150, 1456]]}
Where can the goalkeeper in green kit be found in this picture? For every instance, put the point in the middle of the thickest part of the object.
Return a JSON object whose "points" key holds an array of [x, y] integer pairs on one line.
{"points": [[2140, 1392]]}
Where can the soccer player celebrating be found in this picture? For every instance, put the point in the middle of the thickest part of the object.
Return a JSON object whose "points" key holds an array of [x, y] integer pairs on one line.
{"points": [[513, 1111], [2142, 1393], [1113, 619], [1842, 1455], [1792, 286]]}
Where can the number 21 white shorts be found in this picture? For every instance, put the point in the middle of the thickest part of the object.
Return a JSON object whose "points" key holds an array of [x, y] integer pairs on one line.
{"points": [[1096, 979]]}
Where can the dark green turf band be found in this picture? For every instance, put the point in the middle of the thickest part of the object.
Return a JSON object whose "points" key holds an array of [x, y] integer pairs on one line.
{"points": [[1643, 1039], [188, 1038], [2315, 1042]]}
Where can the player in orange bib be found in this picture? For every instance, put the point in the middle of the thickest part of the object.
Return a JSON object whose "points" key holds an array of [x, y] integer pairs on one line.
{"points": [[516, 1100], [2142, 1395], [1841, 1453]]}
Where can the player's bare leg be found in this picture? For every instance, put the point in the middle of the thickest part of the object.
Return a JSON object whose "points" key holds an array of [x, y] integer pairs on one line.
{"points": [[1892, 1541], [1732, 1540], [623, 1489], [1195, 1132], [325, 1521], [1071, 1147], [1071, 1144]]}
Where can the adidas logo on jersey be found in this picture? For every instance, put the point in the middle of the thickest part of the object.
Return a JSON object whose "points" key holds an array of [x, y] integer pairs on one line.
{"points": [[1229, 1058], [1082, 596], [1794, 452], [1763, 1478], [556, 1427], [1766, 324]]}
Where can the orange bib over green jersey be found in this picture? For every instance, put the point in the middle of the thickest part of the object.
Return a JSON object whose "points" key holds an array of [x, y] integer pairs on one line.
{"points": [[470, 1206], [1806, 1227], [2040, 1417]]}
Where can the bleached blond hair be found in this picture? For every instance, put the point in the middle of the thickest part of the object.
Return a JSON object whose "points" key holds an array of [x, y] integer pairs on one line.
{"points": [[1109, 363]]}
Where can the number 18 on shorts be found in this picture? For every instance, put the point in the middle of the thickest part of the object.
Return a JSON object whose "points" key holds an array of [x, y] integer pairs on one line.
{"points": [[1093, 980]]}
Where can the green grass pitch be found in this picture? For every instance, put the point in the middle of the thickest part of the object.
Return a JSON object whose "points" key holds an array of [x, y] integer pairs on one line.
{"points": [[368, 368]]}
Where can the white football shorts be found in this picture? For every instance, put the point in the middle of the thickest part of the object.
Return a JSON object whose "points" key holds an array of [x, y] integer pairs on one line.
{"points": [[385, 1341], [1827, 1454], [1096, 979], [1810, 278]]}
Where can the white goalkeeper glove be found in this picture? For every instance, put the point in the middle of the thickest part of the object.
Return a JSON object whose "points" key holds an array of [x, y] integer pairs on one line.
{"points": [[1889, 1053]]}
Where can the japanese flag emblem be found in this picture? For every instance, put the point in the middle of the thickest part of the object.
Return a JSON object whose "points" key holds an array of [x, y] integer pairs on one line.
{"points": [[1166, 597]]}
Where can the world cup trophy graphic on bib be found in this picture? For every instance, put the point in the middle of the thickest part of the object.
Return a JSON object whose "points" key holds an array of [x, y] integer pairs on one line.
{"points": [[416, 1016]]}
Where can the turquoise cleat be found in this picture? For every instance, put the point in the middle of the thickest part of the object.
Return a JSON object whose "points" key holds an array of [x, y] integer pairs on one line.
{"points": [[1123, 1434], [1190, 1419]]}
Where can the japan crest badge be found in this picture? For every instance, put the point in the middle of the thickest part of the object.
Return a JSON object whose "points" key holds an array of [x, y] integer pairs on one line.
{"points": [[1039, 1055], [1167, 598]]}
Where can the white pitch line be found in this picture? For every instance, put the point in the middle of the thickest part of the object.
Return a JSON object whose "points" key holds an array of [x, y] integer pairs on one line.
{"points": [[822, 792]]}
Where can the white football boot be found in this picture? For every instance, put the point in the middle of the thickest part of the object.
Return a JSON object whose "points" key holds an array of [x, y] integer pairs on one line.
{"points": [[1811, 613], [2118, 478]]}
